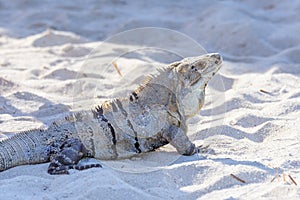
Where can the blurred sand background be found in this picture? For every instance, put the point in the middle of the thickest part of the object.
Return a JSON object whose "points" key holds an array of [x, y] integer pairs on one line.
{"points": [[53, 61]]}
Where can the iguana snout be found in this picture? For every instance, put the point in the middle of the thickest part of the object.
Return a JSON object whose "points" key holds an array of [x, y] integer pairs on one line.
{"points": [[213, 64]]}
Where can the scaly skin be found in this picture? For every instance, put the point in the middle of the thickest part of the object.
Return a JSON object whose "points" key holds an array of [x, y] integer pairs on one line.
{"points": [[154, 115]]}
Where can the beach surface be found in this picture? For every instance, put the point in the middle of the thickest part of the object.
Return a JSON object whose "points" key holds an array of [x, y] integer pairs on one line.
{"points": [[62, 56]]}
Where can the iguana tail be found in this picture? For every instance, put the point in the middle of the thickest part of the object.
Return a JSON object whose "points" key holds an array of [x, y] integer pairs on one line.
{"points": [[24, 148]]}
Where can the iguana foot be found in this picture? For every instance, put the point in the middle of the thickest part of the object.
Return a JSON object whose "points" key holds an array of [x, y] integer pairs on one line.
{"points": [[68, 156]]}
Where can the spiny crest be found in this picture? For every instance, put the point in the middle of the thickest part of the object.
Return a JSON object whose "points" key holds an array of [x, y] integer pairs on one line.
{"points": [[98, 111], [153, 78], [70, 118]]}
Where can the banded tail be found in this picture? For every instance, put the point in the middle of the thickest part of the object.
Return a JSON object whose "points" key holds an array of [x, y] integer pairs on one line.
{"points": [[24, 148]]}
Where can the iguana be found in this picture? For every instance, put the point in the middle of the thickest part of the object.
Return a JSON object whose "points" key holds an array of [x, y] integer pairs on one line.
{"points": [[153, 115]]}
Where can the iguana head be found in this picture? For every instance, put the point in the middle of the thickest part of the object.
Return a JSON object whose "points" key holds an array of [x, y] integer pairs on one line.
{"points": [[193, 74]]}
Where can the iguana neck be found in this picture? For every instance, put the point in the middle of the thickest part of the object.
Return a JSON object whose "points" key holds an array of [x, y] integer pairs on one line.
{"points": [[161, 89]]}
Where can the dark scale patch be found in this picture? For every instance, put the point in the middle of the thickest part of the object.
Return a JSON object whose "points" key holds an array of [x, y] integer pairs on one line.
{"points": [[98, 114], [137, 145], [155, 143], [130, 98], [112, 130], [135, 95], [68, 156], [86, 166], [99, 110]]}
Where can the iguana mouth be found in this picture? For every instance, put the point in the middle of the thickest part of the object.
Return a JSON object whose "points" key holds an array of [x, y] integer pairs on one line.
{"points": [[211, 72]]}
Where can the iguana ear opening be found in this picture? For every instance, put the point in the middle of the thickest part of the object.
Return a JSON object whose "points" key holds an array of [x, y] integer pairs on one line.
{"points": [[183, 68]]}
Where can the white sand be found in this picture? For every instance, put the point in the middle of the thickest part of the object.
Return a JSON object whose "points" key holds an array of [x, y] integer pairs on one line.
{"points": [[250, 120]]}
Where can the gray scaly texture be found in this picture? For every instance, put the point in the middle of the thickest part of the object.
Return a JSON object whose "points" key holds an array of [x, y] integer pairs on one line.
{"points": [[153, 115]]}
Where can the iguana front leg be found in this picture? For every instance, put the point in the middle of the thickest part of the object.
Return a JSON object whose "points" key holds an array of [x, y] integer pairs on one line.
{"points": [[67, 157], [177, 137]]}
